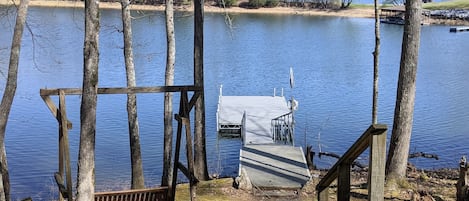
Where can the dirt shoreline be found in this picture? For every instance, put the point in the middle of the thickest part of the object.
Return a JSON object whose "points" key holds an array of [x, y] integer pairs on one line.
{"points": [[352, 12]]}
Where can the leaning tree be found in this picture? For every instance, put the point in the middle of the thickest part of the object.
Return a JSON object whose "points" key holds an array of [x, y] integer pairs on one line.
{"points": [[9, 94], [396, 163]]}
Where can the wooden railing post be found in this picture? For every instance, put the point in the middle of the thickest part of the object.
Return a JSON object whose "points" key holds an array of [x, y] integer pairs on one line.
{"points": [[377, 164], [324, 194], [343, 182], [64, 150], [183, 119], [61, 151], [66, 145], [461, 186]]}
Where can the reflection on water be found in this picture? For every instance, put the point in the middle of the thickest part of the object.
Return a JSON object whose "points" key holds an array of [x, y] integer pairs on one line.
{"points": [[331, 58]]}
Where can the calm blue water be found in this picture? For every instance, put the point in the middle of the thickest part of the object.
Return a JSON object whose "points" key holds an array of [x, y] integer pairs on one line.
{"points": [[331, 58]]}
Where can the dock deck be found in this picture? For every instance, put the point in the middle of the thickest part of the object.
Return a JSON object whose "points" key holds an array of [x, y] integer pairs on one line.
{"points": [[260, 110], [265, 124]]}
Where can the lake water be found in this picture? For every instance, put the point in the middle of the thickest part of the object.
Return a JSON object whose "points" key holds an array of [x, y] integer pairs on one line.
{"points": [[331, 57]]}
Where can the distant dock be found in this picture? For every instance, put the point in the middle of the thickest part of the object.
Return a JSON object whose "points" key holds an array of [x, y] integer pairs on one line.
{"points": [[458, 29], [266, 126]]}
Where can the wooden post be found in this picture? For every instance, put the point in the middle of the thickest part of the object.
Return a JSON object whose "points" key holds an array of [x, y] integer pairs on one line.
{"points": [[172, 185], [343, 182], [189, 147], [61, 145], [65, 144], [461, 187], [324, 195], [50, 104], [309, 157], [190, 158], [377, 163], [183, 120]]}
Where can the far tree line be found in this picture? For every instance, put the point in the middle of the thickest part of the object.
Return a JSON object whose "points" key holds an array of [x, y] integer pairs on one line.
{"points": [[332, 4], [323, 4]]}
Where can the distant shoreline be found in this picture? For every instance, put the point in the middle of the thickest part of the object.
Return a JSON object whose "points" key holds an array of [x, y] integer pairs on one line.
{"points": [[349, 12]]}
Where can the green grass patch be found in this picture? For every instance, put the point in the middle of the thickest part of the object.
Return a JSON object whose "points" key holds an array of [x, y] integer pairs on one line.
{"points": [[206, 190], [445, 5], [361, 5], [454, 4]]}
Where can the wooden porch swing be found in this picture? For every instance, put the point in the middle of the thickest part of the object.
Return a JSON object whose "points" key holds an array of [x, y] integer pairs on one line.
{"points": [[150, 194]]}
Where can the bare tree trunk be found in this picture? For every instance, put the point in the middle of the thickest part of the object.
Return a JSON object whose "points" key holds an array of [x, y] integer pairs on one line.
{"points": [[86, 155], [138, 181], [9, 94], [168, 97], [403, 114], [374, 116], [200, 156]]}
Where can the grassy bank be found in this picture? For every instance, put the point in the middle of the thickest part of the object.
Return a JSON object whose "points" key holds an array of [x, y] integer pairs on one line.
{"points": [[444, 5], [454, 4]]}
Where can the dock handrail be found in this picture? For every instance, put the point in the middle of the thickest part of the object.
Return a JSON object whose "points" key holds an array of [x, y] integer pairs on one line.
{"points": [[282, 128], [220, 94], [375, 138], [243, 126]]}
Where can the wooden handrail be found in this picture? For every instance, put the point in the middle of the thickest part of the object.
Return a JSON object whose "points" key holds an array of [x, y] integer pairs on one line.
{"points": [[122, 90], [374, 137]]}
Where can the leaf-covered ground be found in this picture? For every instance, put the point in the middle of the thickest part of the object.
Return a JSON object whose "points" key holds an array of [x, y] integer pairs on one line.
{"points": [[422, 185]]}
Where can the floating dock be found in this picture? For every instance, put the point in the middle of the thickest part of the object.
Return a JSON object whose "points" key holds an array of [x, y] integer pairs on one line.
{"points": [[266, 126], [458, 29], [257, 112]]}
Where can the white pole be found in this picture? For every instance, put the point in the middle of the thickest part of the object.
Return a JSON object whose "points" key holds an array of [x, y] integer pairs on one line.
{"points": [[221, 90]]}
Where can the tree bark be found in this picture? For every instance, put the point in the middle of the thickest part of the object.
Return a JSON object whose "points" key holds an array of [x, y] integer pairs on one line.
{"points": [[9, 94], [168, 97], [374, 115], [86, 155], [404, 110], [138, 181], [200, 156]]}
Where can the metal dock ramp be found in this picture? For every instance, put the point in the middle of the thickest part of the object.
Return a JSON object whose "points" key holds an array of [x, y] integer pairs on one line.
{"points": [[274, 166], [265, 124]]}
